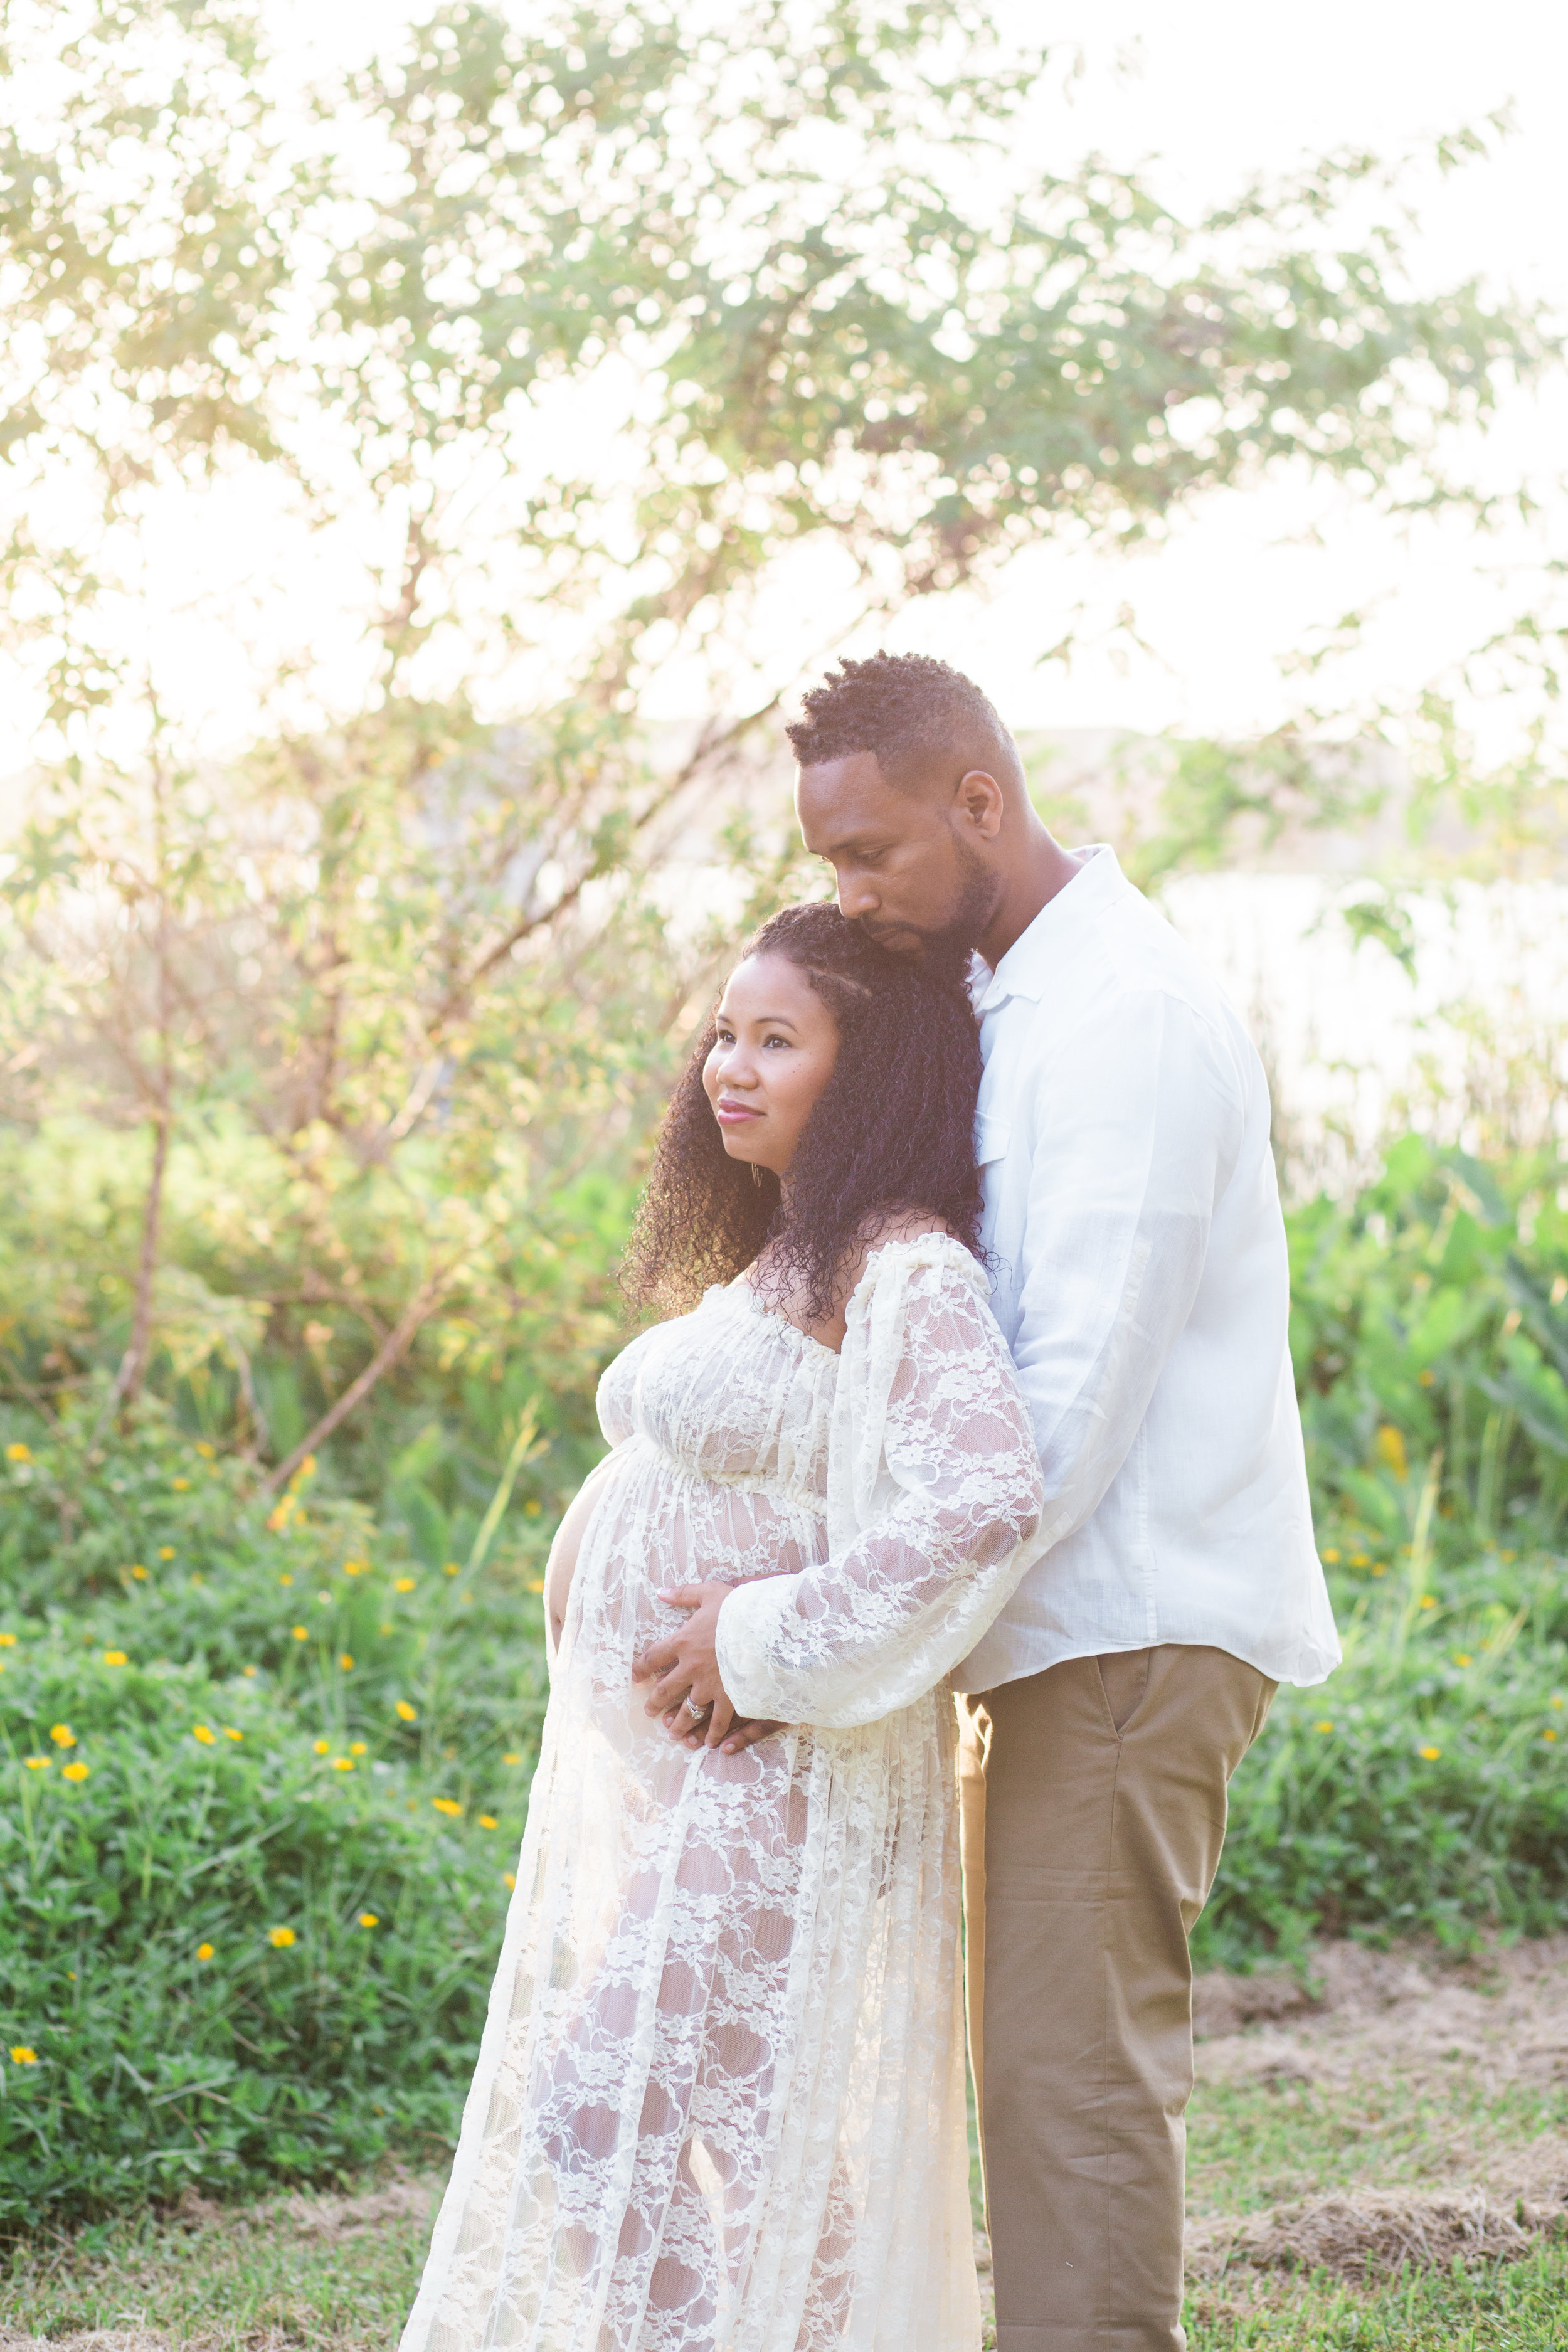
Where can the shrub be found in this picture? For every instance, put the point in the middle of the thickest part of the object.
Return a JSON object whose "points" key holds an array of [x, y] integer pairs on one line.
{"points": [[181, 1776], [1423, 1788], [154, 1545]]}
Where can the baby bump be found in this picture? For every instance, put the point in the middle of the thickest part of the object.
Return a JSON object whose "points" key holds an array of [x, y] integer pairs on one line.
{"points": [[659, 1526]]}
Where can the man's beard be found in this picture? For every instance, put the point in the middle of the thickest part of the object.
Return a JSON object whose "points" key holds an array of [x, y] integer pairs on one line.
{"points": [[948, 946]]}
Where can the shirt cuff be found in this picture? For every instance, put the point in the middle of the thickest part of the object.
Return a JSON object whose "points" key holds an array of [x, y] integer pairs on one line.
{"points": [[747, 1641]]}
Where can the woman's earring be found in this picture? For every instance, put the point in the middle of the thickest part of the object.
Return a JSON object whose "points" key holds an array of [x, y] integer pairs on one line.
{"points": [[756, 1176]]}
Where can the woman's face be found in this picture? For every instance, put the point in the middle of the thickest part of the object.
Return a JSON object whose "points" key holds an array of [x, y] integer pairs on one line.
{"points": [[775, 1054]]}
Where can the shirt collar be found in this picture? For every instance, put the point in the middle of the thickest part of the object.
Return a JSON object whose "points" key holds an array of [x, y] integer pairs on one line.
{"points": [[1056, 937]]}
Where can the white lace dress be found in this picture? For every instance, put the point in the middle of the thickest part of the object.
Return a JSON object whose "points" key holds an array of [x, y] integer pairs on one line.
{"points": [[720, 2100]]}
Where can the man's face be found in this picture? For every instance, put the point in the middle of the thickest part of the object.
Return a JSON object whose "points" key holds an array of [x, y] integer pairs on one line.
{"points": [[905, 871]]}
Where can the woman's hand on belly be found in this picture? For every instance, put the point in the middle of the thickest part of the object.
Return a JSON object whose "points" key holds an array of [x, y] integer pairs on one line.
{"points": [[684, 1669]]}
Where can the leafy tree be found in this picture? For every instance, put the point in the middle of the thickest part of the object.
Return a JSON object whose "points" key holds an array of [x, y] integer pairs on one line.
{"points": [[803, 273]]}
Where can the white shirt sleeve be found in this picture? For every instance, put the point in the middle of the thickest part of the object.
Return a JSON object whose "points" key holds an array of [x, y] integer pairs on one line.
{"points": [[1131, 1147], [933, 1501]]}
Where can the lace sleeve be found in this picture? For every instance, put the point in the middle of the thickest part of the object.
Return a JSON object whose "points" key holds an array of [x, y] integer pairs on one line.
{"points": [[934, 1498]]}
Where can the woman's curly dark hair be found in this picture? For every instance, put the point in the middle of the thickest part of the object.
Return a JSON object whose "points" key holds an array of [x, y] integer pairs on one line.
{"points": [[892, 1132]]}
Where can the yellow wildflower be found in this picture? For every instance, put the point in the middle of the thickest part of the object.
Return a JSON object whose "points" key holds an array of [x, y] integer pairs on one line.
{"points": [[299, 1632], [511, 1757], [1431, 1754], [21, 2056], [114, 1658], [37, 1763], [7, 1641], [346, 1662], [1427, 1378], [280, 1938], [204, 1951], [410, 1714], [536, 1584], [249, 1670], [342, 1764], [1331, 1557], [1391, 1451], [532, 1508], [1359, 1559], [321, 1747], [138, 1572], [78, 1772], [445, 1805], [205, 1449], [403, 1584], [165, 1551], [354, 1567], [1462, 1658], [1548, 1734], [369, 1919], [285, 1579], [1428, 1601], [207, 1736], [451, 1569], [358, 1748], [18, 1453], [62, 1735], [509, 1878], [1326, 1725], [179, 1485], [230, 1733]]}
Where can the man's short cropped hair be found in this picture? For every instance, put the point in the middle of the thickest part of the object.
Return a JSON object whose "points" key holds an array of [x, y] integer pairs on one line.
{"points": [[919, 716]]}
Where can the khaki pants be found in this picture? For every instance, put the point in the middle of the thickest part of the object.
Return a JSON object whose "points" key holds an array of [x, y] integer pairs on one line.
{"points": [[1094, 1809]]}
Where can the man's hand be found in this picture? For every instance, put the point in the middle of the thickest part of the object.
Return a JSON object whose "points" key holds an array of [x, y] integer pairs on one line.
{"points": [[684, 1671]]}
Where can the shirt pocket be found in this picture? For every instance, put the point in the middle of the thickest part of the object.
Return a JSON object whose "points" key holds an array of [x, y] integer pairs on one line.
{"points": [[993, 1134]]}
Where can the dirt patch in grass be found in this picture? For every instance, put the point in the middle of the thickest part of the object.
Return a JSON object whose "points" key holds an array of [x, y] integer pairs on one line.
{"points": [[1369, 2233], [1436, 2085]]}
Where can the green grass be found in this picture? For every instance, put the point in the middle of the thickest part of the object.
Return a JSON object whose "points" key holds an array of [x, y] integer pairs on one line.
{"points": [[1250, 2145], [235, 2279], [1494, 2307], [228, 2277]]}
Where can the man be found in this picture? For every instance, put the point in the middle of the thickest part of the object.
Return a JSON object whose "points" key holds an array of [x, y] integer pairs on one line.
{"points": [[1142, 1283]]}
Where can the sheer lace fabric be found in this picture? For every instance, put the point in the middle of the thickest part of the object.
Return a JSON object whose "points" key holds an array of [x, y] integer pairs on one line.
{"points": [[719, 2101]]}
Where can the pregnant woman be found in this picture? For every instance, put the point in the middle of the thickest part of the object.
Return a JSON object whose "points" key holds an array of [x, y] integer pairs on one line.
{"points": [[719, 2101]]}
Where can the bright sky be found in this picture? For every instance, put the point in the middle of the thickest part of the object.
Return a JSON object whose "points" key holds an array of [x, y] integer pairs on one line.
{"points": [[1203, 96], [1216, 90]]}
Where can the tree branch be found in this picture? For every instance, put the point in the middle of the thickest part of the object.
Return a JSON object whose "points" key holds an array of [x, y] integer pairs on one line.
{"points": [[395, 1345]]}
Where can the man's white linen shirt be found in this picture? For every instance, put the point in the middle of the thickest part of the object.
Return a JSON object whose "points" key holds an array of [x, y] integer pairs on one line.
{"points": [[1142, 1283]]}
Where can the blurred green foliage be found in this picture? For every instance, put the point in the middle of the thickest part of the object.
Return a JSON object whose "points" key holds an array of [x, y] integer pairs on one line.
{"points": [[1425, 1788], [1430, 1335]]}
